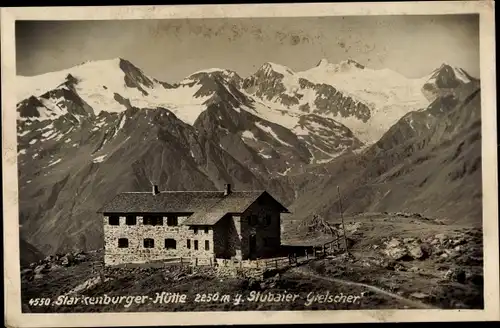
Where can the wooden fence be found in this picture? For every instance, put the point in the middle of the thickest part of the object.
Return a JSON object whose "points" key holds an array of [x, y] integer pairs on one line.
{"points": [[294, 258]]}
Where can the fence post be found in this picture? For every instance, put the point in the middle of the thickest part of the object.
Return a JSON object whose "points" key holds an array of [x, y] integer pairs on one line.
{"points": [[196, 261], [307, 255], [210, 261], [181, 260]]}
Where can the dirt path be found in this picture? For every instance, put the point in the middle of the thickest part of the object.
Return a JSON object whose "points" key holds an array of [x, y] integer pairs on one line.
{"points": [[411, 303]]}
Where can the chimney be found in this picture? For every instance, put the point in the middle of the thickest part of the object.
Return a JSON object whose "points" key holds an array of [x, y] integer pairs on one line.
{"points": [[155, 190], [227, 189]]}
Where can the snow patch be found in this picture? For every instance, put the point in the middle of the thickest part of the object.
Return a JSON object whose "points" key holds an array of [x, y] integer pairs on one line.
{"points": [[248, 135], [122, 122], [411, 124], [461, 75], [54, 162], [285, 172], [99, 159], [22, 134], [265, 156], [270, 131]]}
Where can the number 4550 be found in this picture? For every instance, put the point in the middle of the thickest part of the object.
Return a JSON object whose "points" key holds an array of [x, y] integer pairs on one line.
{"points": [[39, 301]]}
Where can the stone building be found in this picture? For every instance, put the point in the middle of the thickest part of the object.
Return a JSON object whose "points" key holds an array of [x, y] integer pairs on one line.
{"points": [[142, 227]]}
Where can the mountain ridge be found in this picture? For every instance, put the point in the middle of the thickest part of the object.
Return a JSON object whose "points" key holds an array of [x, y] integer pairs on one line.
{"points": [[82, 139]]}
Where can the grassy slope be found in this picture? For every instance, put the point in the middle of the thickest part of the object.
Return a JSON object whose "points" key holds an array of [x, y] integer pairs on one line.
{"points": [[417, 276], [435, 171]]}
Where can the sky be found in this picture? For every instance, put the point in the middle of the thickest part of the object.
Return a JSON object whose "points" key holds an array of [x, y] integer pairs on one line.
{"points": [[171, 49]]}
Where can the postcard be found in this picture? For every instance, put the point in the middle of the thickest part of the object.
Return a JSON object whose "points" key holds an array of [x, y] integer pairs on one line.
{"points": [[265, 163]]}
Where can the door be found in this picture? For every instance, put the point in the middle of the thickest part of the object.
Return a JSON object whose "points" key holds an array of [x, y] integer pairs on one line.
{"points": [[253, 247]]}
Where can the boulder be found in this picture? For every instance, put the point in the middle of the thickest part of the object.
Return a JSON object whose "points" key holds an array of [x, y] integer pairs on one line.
{"points": [[26, 272], [41, 269], [80, 257], [65, 261], [399, 267], [38, 276], [56, 267], [416, 251], [393, 243], [440, 236], [458, 241], [455, 274], [396, 251], [409, 240]]}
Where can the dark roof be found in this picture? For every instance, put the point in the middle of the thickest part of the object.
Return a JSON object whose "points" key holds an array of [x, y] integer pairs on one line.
{"points": [[209, 217], [207, 207]]}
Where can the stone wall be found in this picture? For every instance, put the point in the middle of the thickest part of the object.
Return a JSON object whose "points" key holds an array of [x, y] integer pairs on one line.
{"points": [[137, 253]]}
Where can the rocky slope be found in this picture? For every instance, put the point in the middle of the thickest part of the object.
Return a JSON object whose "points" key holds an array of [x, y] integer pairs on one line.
{"points": [[367, 101], [429, 163], [87, 133]]}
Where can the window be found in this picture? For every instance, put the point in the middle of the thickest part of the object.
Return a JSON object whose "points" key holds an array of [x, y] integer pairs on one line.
{"points": [[267, 220], [207, 229], [196, 245], [159, 220], [195, 230], [131, 220], [188, 244], [172, 221], [153, 220], [147, 220], [170, 243], [149, 243], [114, 220], [122, 242], [252, 220], [207, 245]]}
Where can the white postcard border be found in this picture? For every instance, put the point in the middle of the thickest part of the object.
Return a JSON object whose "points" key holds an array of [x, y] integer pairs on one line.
{"points": [[14, 317]]}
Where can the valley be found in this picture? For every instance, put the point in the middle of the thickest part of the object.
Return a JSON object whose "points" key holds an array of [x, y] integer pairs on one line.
{"points": [[390, 143]]}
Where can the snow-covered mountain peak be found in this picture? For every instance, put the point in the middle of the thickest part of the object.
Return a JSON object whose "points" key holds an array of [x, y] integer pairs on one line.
{"points": [[112, 85], [322, 63], [444, 80], [270, 67], [450, 74], [100, 70], [344, 66], [212, 70], [350, 64], [226, 75]]}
